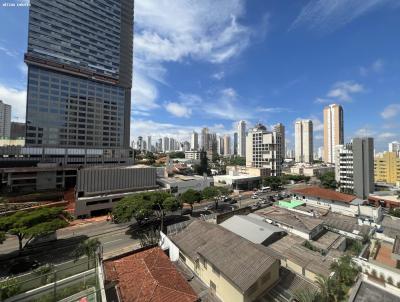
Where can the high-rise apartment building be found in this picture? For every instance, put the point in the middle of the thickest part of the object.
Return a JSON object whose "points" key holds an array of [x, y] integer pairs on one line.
{"points": [[139, 143], [354, 166], [220, 145], [149, 145], [205, 139], [333, 131], [235, 143], [79, 61], [280, 128], [394, 147], [5, 120], [165, 144], [227, 144], [241, 138], [263, 150], [194, 141], [303, 138], [387, 168]]}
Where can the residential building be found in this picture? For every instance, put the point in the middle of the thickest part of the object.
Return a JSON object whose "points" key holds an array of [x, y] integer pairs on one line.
{"points": [[159, 145], [387, 168], [227, 144], [17, 130], [194, 141], [185, 146], [146, 274], [192, 155], [354, 168], [263, 150], [333, 131], [320, 153], [205, 139], [139, 143], [304, 146], [235, 143], [220, 145], [149, 144], [172, 144], [243, 170], [165, 144], [394, 147], [5, 120], [234, 268], [280, 129], [363, 166], [242, 138], [79, 85]]}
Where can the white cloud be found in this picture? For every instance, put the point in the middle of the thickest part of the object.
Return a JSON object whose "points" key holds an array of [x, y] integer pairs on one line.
{"points": [[178, 110], [272, 109], [375, 67], [177, 31], [17, 99], [391, 111], [328, 15], [218, 75], [365, 131], [8, 52], [343, 90]]}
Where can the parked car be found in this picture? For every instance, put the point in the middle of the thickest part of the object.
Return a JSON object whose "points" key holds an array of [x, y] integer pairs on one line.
{"points": [[255, 196], [208, 208], [232, 201]]}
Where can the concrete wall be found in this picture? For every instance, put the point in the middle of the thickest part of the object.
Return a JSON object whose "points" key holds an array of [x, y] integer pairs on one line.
{"points": [[92, 181]]}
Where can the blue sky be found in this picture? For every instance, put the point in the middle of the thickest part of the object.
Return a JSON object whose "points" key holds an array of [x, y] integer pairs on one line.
{"points": [[214, 62]]}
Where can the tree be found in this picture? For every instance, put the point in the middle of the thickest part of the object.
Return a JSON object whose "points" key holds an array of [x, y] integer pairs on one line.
{"points": [[87, 248], [143, 205], [304, 295], [171, 204], [326, 288], [33, 224], [328, 180], [2, 237], [8, 288], [191, 196], [211, 192]]}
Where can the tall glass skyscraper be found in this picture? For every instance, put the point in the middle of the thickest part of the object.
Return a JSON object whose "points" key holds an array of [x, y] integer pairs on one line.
{"points": [[80, 74]]}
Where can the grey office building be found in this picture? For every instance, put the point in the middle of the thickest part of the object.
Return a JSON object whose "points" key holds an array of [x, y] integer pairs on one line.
{"points": [[363, 166], [79, 74]]}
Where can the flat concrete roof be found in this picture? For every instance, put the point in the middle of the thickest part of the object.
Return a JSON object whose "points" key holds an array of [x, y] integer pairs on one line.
{"points": [[251, 228], [367, 292]]}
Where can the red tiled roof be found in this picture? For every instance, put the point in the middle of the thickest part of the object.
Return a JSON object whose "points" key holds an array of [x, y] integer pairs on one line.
{"points": [[325, 194], [148, 276]]}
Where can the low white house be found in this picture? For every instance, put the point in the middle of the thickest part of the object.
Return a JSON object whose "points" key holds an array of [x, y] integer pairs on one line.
{"points": [[179, 184]]}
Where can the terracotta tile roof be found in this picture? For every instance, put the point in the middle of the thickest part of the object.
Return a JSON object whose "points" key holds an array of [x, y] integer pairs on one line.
{"points": [[238, 259], [148, 276], [325, 194]]}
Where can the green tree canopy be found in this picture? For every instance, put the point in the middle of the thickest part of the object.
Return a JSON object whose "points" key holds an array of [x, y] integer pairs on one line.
{"points": [[191, 196], [177, 154], [171, 204], [33, 224], [211, 192], [274, 182], [328, 180], [141, 206]]}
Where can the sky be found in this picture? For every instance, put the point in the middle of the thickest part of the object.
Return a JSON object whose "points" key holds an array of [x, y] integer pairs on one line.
{"points": [[211, 63]]}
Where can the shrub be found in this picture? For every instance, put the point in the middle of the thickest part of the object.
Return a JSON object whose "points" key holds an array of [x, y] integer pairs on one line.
{"points": [[390, 280], [374, 273]]}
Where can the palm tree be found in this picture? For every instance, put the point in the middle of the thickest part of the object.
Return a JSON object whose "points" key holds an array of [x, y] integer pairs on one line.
{"points": [[87, 248], [304, 295], [326, 288]]}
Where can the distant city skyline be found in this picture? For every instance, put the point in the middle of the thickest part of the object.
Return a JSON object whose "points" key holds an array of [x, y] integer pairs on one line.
{"points": [[251, 75]]}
